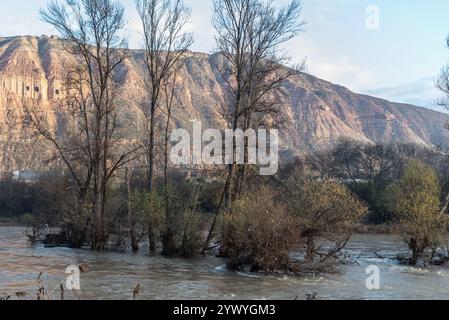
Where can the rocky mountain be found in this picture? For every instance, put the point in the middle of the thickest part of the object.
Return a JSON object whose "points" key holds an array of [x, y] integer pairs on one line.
{"points": [[316, 111]]}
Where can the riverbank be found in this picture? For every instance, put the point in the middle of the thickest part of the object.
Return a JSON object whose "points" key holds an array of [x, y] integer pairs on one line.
{"points": [[361, 229], [10, 222], [392, 229]]}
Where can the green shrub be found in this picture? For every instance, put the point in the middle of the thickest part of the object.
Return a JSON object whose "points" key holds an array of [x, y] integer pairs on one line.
{"points": [[416, 204], [192, 237], [28, 220], [149, 211]]}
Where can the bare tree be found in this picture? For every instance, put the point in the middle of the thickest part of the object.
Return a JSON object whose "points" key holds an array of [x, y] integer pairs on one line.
{"points": [[129, 208], [90, 147], [321, 162], [169, 86], [442, 84], [249, 35], [347, 155], [165, 43], [380, 164]]}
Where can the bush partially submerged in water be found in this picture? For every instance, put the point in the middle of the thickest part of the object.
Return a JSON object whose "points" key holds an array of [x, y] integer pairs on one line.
{"points": [[316, 219], [259, 233], [326, 213], [148, 214], [416, 204], [191, 235]]}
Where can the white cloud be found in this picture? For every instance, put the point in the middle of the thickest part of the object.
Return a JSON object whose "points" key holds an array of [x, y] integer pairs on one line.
{"points": [[342, 70], [421, 92], [337, 69]]}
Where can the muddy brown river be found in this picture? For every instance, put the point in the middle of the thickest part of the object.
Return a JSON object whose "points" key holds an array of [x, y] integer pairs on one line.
{"points": [[113, 275]]}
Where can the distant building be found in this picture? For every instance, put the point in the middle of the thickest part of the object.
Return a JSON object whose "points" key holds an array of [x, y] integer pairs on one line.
{"points": [[37, 87]]}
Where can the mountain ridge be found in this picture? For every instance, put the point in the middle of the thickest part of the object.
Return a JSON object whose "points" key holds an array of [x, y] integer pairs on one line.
{"points": [[317, 111]]}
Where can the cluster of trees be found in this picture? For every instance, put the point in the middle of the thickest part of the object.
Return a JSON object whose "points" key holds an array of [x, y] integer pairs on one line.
{"points": [[97, 160], [369, 169], [312, 207], [403, 184], [112, 191], [274, 217]]}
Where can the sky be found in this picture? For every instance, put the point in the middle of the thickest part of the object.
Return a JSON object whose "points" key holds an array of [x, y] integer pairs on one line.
{"points": [[391, 49]]}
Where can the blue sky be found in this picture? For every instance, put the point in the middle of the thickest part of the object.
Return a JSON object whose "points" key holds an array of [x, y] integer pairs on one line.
{"points": [[399, 61]]}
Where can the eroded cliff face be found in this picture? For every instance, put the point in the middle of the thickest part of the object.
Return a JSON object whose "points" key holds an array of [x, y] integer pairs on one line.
{"points": [[316, 111]]}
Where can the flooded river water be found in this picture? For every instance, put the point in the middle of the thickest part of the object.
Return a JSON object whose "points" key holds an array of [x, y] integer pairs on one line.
{"points": [[113, 275]]}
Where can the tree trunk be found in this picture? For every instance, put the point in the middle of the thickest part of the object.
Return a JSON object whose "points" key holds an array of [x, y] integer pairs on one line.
{"points": [[99, 241], [151, 154], [446, 205], [230, 187], [169, 245], [132, 232], [310, 249], [169, 242], [151, 239]]}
